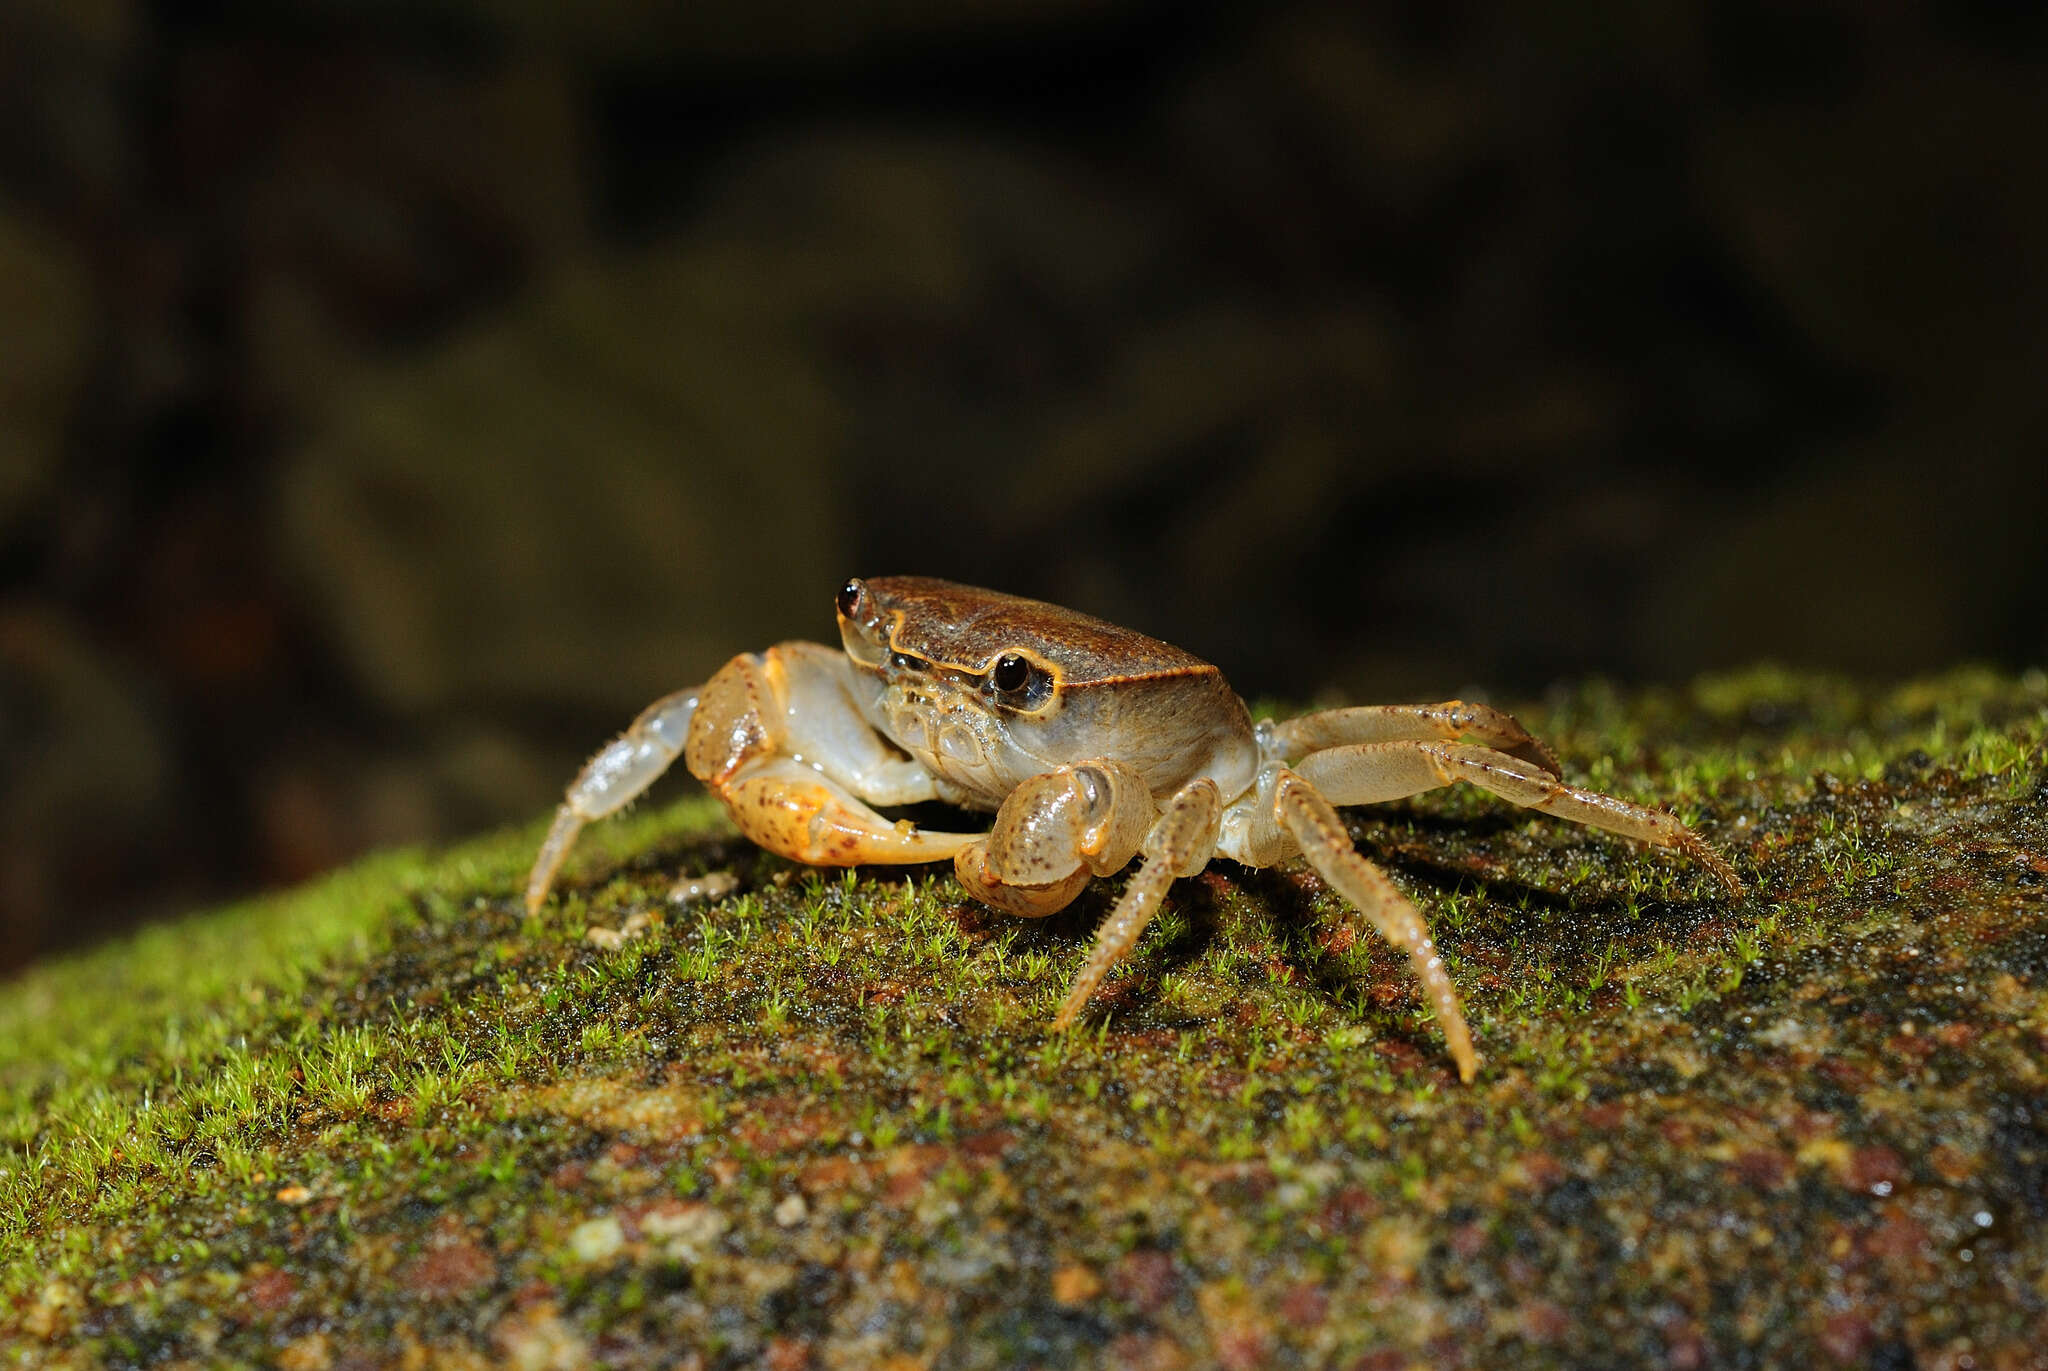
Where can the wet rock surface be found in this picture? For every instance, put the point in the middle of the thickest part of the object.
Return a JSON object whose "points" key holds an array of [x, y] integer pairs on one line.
{"points": [[815, 1119]]}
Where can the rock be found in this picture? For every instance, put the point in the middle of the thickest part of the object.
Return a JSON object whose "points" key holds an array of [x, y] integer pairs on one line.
{"points": [[47, 302], [1901, 231], [386, 197], [83, 771], [464, 551], [1818, 1099], [709, 888], [597, 1240], [463, 546], [790, 35]]}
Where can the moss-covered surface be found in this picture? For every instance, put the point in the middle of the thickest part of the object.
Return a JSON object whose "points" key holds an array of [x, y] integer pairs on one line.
{"points": [[816, 1120]]}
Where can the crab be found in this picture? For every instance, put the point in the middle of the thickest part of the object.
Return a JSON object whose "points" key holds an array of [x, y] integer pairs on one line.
{"points": [[1091, 744]]}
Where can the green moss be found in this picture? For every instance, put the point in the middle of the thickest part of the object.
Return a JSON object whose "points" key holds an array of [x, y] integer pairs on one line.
{"points": [[821, 1117]]}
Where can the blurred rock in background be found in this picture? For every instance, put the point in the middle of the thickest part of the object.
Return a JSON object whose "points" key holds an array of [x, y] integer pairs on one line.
{"points": [[395, 397]]}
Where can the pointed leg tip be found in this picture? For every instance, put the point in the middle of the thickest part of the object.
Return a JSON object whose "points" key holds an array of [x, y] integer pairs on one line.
{"points": [[539, 886], [1729, 880], [1700, 851], [1466, 1059]]}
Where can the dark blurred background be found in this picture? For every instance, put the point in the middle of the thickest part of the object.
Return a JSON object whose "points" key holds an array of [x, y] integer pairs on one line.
{"points": [[393, 397]]}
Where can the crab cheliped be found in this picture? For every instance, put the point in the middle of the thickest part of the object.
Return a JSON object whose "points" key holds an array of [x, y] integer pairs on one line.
{"points": [[1091, 744]]}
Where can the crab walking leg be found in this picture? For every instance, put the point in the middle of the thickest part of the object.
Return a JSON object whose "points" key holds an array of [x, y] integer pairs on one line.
{"points": [[1180, 844], [1372, 772], [609, 781], [1309, 817], [1446, 722]]}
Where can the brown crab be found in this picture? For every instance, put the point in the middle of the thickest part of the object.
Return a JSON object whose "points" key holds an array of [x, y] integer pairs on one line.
{"points": [[1090, 743]]}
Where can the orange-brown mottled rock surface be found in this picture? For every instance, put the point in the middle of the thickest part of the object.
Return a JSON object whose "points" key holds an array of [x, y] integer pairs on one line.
{"points": [[818, 1122]]}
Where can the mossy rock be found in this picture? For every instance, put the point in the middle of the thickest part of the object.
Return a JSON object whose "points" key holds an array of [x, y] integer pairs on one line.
{"points": [[816, 1119]]}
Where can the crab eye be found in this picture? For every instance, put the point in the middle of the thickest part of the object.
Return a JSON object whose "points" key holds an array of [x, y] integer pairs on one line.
{"points": [[1011, 674], [850, 596]]}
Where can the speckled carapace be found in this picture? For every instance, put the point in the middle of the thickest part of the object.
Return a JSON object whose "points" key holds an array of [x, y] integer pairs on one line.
{"points": [[966, 628]]}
